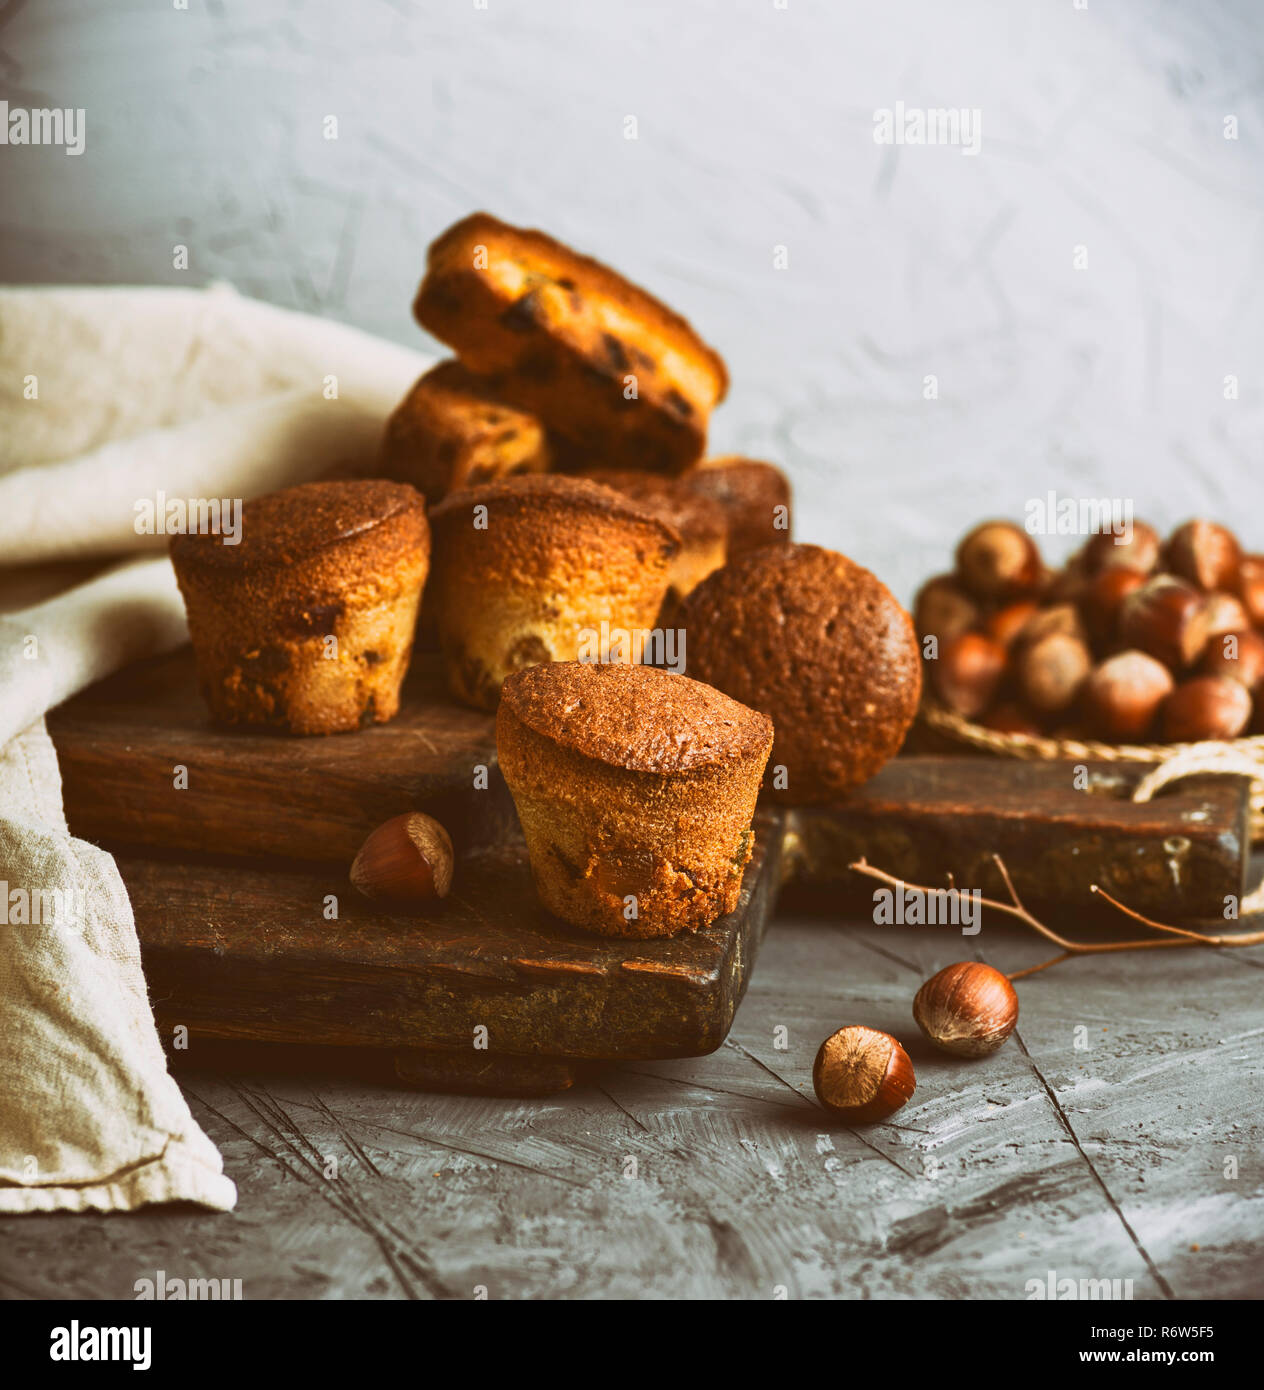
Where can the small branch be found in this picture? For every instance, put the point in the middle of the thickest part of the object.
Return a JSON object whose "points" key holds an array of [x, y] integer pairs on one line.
{"points": [[1036, 969], [1252, 938], [1174, 936]]}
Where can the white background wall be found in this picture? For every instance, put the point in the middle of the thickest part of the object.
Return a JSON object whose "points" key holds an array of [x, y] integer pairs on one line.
{"points": [[1102, 127]]}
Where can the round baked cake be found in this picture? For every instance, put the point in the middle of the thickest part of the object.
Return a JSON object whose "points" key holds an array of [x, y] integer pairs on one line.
{"points": [[596, 358], [452, 431], [306, 625], [820, 645], [754, 496], [635, 789], [542, 568], [700, 521]]}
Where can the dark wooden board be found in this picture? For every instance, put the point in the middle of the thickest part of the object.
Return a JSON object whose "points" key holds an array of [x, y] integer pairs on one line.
{"points": [[923, 818], [425, 1069], [229, 877], [239, 952], [120, 742]]}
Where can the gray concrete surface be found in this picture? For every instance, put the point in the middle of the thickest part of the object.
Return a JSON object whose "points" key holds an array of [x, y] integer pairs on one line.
{"points": [[1106, 1153]]}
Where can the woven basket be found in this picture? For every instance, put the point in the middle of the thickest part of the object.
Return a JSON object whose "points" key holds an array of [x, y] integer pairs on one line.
{"points": [[1171, 761]]}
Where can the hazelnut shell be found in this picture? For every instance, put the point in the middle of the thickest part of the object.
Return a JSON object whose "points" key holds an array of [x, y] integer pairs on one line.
{"points": [[1140, 551], [1206, 707], [862, 1075], [1122, 697], [968, 672], [998, 560], [1206, 554], [968, 1009], [406, 862]]}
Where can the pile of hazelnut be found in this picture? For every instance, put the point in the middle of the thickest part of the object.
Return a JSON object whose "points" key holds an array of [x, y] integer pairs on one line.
{"points": [[1135, 640]]}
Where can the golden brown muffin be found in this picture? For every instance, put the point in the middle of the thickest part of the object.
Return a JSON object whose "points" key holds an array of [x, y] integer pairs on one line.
{"points": [[755, 497], [307, 624], [635, 789], [596, 358], [529, 569], [818, 643], [452, 431], [700, 521]]}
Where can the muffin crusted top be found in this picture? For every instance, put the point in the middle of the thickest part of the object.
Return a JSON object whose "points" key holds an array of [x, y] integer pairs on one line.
{"points": [[555, 492], [298, 523], [697, 518], [635, 717]]}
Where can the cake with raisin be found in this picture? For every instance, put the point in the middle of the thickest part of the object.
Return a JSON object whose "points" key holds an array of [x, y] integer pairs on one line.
{"points": [[599, 360], [754, 496], [542, 568], [452, 431], [700, 521], [306, 625]]}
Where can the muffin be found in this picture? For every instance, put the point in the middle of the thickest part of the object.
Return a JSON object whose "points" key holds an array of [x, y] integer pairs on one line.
{"points": [[542, 568], [700, 521], [754, 496], [307, 624], [635, 789], [452, 431], [818, 643], [597, 359]]}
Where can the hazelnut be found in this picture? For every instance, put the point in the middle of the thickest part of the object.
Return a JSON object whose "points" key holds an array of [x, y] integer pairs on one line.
{"points": [[943, 609], [1011, 718], [967, 673], [406, 861], [1206, 707], [862, 1075], [1166, 617], [1006, 623], [1238, 655], [999, 560], [1104, 596], [1122, 697], [1204, 553], [1250, 587], [1226, 614], [968, 1009], [1051, 671], [1138, 551], [1067, 584], [1061, 618]]}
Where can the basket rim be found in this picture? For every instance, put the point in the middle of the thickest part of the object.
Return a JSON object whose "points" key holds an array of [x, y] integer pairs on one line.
{"points": [[1044, 747]]}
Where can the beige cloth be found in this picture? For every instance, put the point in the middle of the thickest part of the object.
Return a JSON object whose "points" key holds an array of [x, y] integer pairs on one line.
{"points": [[108, 397]]}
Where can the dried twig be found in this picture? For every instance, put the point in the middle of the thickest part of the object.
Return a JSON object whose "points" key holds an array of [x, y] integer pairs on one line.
{"points": [[1173, 936]]}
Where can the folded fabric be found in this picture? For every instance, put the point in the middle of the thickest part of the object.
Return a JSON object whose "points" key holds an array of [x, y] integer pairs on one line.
{"points": [[110, 401], [226, 399], [90, 1119]]}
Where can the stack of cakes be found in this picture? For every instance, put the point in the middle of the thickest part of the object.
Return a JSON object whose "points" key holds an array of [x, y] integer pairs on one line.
{"points": [[547, 488]]}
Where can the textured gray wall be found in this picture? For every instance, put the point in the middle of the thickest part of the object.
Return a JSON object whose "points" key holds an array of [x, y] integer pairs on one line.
{"points": [[1103, 127]]}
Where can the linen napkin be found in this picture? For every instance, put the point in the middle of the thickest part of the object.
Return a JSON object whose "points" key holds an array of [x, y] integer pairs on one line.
{"points": [[110, 398]]}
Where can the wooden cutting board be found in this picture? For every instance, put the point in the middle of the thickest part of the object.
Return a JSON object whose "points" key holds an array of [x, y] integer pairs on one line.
{"points": [[122, 744], [125, 744], [235, 847], [233, 951], [231, 844]]}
